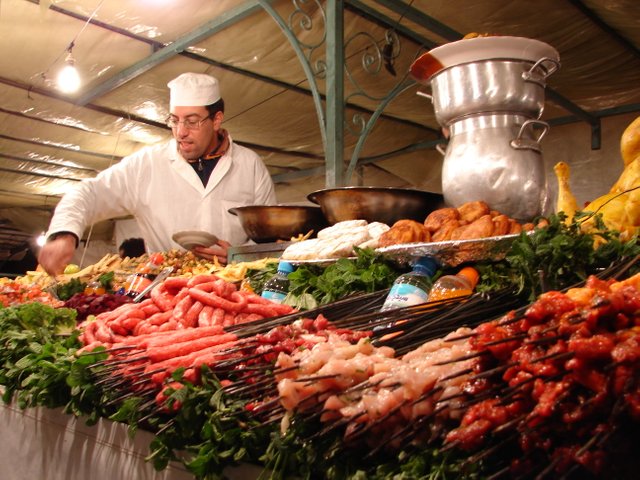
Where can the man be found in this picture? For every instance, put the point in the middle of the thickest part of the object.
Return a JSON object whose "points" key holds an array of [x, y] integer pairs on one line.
{"points": [[131, 247], [187, 183]]}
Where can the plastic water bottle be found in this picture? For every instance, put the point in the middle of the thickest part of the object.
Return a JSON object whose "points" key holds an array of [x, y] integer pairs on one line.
{"points": [[277, 287], [411, 288], [451, 286]]}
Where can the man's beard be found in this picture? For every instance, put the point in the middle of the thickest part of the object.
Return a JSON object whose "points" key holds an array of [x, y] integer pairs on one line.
{"points": [[187, 156]]}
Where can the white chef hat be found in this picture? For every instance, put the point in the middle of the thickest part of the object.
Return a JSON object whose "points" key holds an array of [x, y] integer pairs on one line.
{"points": [[193, 90]]}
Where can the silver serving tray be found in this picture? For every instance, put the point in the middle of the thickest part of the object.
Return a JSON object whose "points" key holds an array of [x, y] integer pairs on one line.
{"points": [[452, 253], [322, 262]]}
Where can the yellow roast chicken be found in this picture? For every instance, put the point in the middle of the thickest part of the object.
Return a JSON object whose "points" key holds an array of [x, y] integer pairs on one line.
{"points": [[620, 208], [566, 201]]}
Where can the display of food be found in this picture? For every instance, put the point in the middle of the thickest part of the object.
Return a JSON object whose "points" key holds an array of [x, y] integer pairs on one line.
{"points": [[338, 387], [177, 303], [620, 207], [337, 241], [553, 382], [16, 293], [472, 220], [190, 354]]}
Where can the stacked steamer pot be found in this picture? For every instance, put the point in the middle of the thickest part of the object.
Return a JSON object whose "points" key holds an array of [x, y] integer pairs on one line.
{"points": [[488, 92]]}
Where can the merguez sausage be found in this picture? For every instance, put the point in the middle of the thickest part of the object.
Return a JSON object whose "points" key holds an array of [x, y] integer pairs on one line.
{"points": [[214, 300], [181, 308], [160, 318], [175, 283], [162, 298], [204, 278], [167, 352], [191, 317], [187, 360], [205, 317]]}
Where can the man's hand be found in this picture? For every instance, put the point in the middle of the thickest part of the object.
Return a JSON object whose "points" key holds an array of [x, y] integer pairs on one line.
{"points": [[218, 250], [57, 253]]}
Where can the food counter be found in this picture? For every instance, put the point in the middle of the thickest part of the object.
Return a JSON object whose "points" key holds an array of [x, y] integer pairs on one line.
{"points": [[62, 447], [508, 380], [54, 446]]}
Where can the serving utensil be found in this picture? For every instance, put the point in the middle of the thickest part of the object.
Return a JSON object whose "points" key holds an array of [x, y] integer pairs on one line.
{"points": [[160, 278]]}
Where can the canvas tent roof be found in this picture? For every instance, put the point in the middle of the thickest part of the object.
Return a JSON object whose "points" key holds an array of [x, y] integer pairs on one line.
{"points": [[127, 51]]}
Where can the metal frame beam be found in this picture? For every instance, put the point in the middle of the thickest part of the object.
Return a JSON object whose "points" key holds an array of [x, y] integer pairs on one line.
{"points": [[334, 161], [605, 27], [420, 18], [371, 14], [208, 29], [397, 6]]}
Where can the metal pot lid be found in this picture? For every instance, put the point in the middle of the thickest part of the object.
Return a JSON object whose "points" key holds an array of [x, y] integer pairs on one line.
{"points": [[480, 49]]}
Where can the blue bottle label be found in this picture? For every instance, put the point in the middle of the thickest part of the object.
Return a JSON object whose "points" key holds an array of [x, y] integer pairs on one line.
{"points": [[404, 295], [276, 297]]}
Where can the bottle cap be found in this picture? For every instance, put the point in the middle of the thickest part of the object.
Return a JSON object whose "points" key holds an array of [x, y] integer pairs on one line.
{"points": [[471, 274], [285, 267], [426, 266]]}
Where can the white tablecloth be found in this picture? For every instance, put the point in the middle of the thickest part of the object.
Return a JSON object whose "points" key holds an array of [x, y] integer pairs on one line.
{"points": [[44, 444]]}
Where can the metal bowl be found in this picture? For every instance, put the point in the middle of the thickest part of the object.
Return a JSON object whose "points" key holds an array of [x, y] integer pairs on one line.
{"points": [[375, 204], [268, 223]]}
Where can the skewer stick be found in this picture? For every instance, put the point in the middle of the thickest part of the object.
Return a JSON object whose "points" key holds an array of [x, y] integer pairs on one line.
{"points": [[464, 357]]}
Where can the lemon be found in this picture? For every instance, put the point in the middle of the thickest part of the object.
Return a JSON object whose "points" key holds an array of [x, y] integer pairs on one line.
{"points": [[71, 268]]}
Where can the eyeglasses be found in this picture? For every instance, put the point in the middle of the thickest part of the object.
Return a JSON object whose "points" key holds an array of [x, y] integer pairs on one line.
{"points": [[188, 123]]}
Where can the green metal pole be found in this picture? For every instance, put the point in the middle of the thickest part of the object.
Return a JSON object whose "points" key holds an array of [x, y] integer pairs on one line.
{"points": [[334, 176]]}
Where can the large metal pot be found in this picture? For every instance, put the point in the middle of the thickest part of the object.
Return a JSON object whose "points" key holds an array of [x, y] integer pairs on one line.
{"points": [[496, 158], [269, 223], [375, 204], [508, 86]]}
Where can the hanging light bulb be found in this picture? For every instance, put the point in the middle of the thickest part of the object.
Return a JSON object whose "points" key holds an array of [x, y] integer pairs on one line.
{"points": [[69, 78]]}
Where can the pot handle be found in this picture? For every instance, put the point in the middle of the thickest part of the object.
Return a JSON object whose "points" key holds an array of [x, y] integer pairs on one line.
{"points": [[425, 95], [520, 143], [441, 148], [534, 75]]}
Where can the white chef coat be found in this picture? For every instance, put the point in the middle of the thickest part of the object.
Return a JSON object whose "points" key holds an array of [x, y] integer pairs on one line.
{"points": [[165, 195]]}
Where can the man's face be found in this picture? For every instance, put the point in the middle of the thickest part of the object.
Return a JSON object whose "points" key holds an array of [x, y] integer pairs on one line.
{"points": [[194, 142]]}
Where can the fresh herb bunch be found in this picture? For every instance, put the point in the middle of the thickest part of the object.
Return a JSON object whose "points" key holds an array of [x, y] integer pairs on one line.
{"points": [[556, 256], [208, 433], [64, 291], [291, 455], [35, 359], [312, 285], [106, 280], [257, 278], [368, 272]]}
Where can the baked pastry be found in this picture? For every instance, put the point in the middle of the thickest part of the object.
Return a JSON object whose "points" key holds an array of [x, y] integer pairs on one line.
{"points": [[471, 211], [514, 227], [405, 231], [630, 142], [342, 246], [480, 228], [444, 232], [436, 219], [305, 250], [341, 228], [376, 229], [501, 225]]}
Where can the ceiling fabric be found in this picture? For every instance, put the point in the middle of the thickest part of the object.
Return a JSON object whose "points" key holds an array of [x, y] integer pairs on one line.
{"points": [[127, 50]]}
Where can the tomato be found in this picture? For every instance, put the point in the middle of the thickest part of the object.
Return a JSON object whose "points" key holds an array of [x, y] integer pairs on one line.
{"points": [[156, 258]]}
